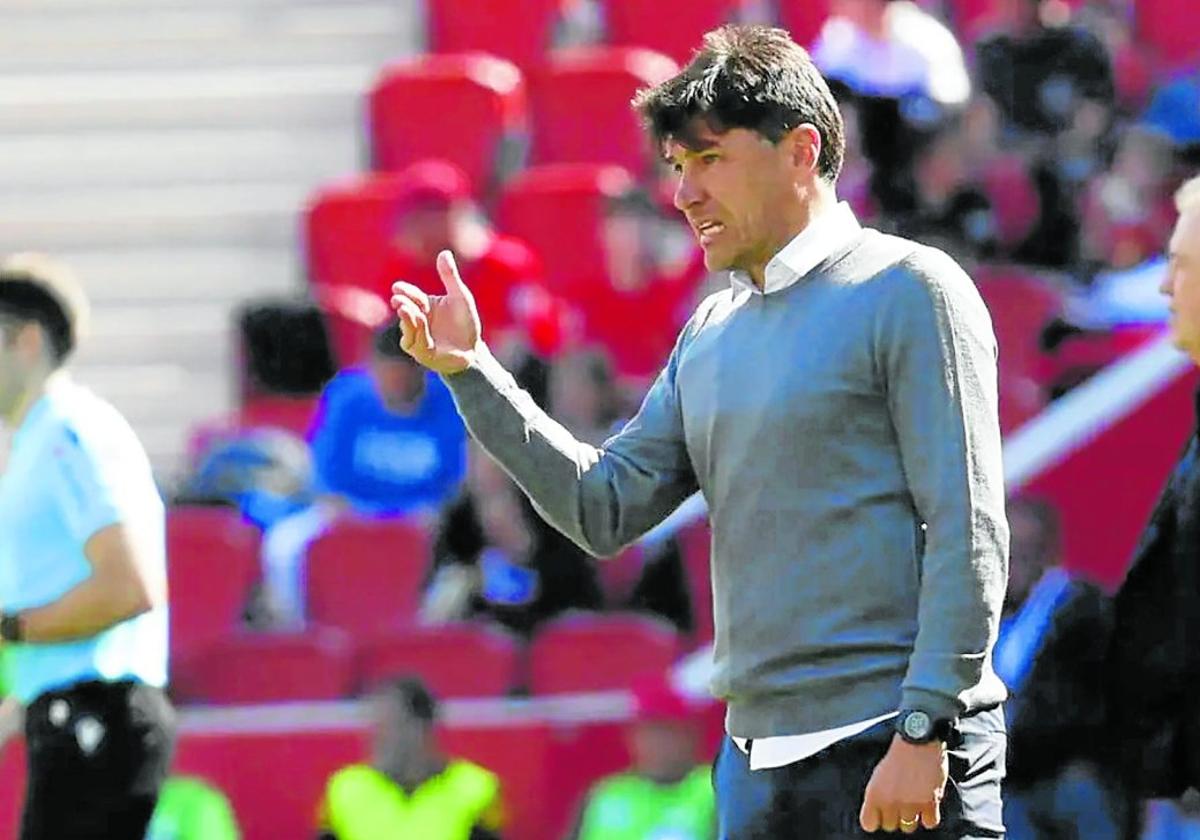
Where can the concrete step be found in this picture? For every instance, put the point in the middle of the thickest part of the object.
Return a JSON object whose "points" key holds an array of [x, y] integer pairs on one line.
{"points": [[185, 274], [121, 159], [245, 214], [288, 98]]}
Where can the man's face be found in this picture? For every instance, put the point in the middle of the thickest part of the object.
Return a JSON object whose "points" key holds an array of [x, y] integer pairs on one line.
{"points": [[14, 363], [428, 229], [398, 382], [663, 749], [732, 188], [1182, 284]]}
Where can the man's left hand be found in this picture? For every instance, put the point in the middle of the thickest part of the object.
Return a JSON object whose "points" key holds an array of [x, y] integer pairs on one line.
{"points": [[905, 791]]}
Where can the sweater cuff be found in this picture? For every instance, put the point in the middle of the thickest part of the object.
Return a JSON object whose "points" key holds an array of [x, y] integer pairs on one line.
{"points": [[937, 706]]}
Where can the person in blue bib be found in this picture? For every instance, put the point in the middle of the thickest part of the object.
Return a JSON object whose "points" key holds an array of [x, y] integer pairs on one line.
{"points": [[83, 615]]}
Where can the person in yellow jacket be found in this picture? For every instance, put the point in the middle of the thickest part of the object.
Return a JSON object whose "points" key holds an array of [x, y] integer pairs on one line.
{"points": [[410, 789], [665, 795]]}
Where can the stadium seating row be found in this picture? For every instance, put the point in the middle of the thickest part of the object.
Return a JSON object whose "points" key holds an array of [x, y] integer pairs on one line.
{"points": [[572, 654]]}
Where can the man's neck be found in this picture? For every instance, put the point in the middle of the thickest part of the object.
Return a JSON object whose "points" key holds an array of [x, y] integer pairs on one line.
{"points": [[26, 402], [821, 202]]}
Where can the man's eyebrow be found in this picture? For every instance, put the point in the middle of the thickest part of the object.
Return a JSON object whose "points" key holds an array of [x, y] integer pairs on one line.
{"points": [[694, 147]]}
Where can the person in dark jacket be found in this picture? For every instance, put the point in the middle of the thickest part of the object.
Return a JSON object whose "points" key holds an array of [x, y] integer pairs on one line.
{"points": [[1153, 662]]}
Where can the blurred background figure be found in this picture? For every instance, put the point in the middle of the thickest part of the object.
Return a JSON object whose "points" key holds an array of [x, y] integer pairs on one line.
{"points": [[667, 792], [584, 395], [410, 789], [435, 212], [494, 558], [386, 441], [1062, 781]]}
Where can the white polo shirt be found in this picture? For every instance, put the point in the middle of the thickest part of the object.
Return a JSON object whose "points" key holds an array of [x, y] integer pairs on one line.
{"points": [[74, 468]]}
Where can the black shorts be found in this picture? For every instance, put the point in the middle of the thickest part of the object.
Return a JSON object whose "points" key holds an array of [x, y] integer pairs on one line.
{"points": [[98, 753]]}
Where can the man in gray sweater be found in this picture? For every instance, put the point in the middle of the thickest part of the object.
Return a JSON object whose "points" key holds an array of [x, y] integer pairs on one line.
{"points": [[837, 406]]}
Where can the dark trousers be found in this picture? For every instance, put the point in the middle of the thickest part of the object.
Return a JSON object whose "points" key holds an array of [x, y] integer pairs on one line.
{"points": [[820, 797], [98, 754]]}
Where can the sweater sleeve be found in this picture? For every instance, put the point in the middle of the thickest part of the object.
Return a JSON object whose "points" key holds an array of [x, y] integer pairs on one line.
{"points": [[601, 498], [939, 361]]}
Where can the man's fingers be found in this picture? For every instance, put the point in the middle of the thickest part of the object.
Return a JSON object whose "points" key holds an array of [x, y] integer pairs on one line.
{"points": [[448, 271], [408, 290], [408, 331], [868, 815], [416, 336], [908, 824], [889, 818], [931, 814]]}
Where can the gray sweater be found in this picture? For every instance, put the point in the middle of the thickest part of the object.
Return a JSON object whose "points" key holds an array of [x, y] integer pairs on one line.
{"points": [[844, 433]]}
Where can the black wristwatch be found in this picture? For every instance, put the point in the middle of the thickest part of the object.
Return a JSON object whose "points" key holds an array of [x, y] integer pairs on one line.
{"points": [[917, 727], [10, 627]]}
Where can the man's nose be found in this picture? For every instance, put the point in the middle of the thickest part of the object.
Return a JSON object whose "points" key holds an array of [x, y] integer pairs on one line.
{"points": [[687, 192]]}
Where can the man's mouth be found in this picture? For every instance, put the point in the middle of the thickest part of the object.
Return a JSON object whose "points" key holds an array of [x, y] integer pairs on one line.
{"points": [[707, 231]]}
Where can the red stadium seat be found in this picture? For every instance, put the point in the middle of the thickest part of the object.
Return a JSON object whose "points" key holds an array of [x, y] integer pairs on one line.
{"points": [[365, 575], [674, 27], [212, 561], [518, 30], [598, 653], [456, 660], [558, 211], [1169, 29], [803, 19], [463, 108], [268, 668], [603, 81], [347, 229]]}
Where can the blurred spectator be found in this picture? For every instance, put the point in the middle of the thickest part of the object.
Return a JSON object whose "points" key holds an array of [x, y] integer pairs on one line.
{"points": [[1040, 70], [495, 558], [1053, 633], [386, 441], [905, 71], [192, 809], [1127, 212], [652, 269], [410, 789], [437, 213], [666, 793], [1173, 820], [584, 396]]}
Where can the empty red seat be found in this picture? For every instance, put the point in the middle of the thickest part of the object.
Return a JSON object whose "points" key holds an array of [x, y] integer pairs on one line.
{"points": [[803, 19], [462, 108], [580, 104], [518, 30], [365, 575], [598, 652], [456, 660], [212, 561], [558, 210], [268, 668], [674, 27]]}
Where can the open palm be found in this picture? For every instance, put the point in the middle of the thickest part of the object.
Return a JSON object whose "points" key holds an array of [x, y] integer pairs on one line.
{"points": [[439, 331]]}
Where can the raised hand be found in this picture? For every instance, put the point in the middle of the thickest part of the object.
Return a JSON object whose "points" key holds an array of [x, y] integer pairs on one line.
{"points": [[439, 331]]}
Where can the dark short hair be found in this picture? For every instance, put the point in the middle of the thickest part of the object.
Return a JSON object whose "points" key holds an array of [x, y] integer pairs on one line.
{"points": [[35, 290], [752, 77], [411, 694], [387, 343]]}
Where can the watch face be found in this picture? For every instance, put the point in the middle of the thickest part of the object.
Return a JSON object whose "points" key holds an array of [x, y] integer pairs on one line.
{"points": [[918, 726]]}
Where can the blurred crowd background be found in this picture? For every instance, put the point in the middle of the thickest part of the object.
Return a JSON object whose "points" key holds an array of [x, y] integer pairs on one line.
{"points": [[332, 524]]}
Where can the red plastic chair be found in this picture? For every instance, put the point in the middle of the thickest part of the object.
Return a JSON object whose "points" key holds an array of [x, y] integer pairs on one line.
{"points": [[212, 561], [455, 660], [803, 19], [268, 668], [598, 653], [518, 30], [463, 108], [580, 102], [364, 575], [558, 211], [674, 27], [347, 229]]}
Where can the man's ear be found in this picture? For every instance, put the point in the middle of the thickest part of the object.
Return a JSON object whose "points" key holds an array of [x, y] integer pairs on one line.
{"points": [[804, 146]]}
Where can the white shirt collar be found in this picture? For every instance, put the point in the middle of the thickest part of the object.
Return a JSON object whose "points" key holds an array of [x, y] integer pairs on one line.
{"points": [[822, 238]]}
